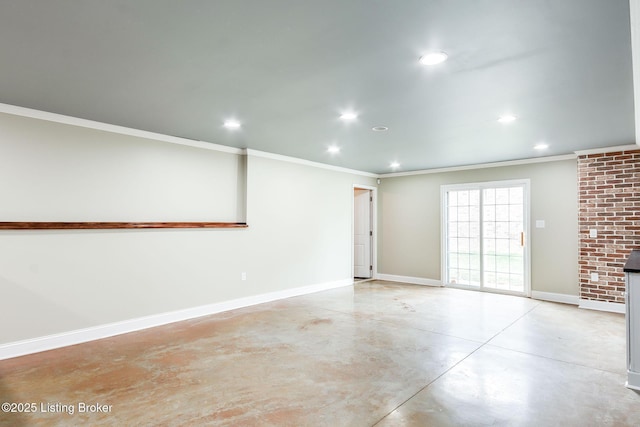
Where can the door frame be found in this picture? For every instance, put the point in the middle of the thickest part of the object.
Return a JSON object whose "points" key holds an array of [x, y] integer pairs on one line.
{"points": [[526, 183], [374, 228]]}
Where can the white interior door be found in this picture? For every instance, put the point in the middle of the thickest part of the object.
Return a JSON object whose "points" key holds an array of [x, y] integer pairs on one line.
{"points": [[362, 233]]}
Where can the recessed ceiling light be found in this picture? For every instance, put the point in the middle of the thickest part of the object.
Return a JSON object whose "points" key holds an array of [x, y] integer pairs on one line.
{"points": [[394, 165], [507, 118], [333, 149], [348, 116], [433, 58], [541, 146], [379, 128], [232, 124]]}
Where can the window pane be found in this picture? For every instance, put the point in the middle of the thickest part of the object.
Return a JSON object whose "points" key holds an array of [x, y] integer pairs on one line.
{"points": [[502, 196], [453, 275], [463, 213], [516, 264], [463, 198], [502, 280], [463, 245], [453, 260], [453, 229], [502, 213], [490, 279], [489, 229], [474, 213], [463, 229], [490, 246], [515, 248], [515, 213], [453, 214], [474, 197], [502, 263], [474, 229], [516, 195], [502, 246], [515, 228], [474, 245], [489, 196], [516, 282], [502, 230], [474, 260], [464, 276], [489, 263], [489, 213], [463, 260], [475, 277]]}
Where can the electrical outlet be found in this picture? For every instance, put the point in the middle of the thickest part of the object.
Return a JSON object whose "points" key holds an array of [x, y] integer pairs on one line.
{"points": [[243, 276]]}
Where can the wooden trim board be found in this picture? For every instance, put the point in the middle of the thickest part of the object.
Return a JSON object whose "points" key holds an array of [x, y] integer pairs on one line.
{"points": [[114, 225]]}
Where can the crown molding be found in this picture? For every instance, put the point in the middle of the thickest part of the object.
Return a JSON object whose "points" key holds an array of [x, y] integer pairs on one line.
{"points": [[280, 157], [90, 124], [482, 166], [122, 130], [608, 149]]}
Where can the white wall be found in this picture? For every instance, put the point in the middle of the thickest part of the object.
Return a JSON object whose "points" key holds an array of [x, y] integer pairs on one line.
{"points": [[56, 281], [56, 172], [302, 218], [409, 222]]}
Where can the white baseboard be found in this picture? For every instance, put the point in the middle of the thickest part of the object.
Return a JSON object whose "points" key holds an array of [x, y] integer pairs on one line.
{"points": [[50, 342], [407, 279], [553, 297], [633, 380], [613, 307]]}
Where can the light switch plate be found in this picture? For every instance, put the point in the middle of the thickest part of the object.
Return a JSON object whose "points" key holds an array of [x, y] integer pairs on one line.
{"points": [[539, 223], [593, 233], [594, 277]]}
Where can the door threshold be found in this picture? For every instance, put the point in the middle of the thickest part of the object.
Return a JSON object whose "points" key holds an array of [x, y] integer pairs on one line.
{"points": [[489, 290]]}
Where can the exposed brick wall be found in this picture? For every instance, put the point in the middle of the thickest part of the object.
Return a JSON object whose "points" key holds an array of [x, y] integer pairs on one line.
{"points": [[609, 201]]}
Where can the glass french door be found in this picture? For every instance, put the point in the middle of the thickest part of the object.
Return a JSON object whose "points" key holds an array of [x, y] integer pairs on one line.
{"points": [[484, 239]]}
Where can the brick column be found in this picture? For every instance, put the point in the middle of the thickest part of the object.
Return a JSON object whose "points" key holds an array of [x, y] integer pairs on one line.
{"points": [[609, 202]]}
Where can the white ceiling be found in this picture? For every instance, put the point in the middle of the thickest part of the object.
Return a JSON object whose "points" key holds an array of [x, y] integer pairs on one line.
{"points": [[287, 69]]}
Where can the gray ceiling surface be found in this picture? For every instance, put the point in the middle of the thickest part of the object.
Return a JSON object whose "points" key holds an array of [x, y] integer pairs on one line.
{"points": [[288, 68]]}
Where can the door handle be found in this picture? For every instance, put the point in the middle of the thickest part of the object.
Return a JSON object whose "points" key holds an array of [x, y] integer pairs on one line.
{"points": [[522, 238]]}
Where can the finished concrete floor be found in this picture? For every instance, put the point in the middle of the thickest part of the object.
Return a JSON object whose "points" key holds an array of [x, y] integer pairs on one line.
{"points": [[376, 354]]}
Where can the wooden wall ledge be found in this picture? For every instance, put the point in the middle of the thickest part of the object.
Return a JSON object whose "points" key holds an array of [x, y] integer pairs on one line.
{"points": [[114, 225]]}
